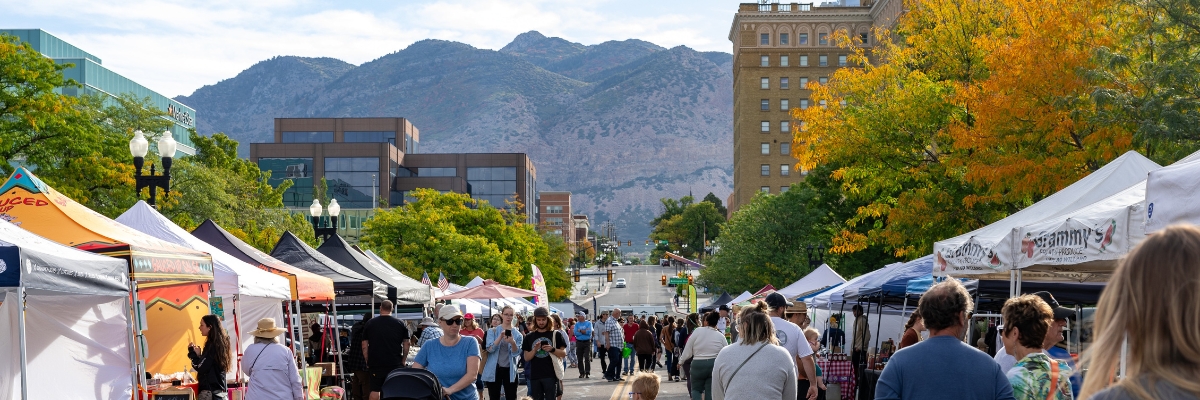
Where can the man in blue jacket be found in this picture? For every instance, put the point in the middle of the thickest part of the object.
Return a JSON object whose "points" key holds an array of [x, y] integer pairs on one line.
{"points": [[583, 344]]}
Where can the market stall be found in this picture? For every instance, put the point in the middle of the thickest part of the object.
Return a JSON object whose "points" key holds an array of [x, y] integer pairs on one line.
{"points": [[401, 289], [1171, 194], [75, 325], [820, 278], [247, 293], [172, 281]]}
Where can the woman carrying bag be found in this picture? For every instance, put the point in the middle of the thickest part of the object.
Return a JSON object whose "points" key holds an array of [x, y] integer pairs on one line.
{"points": [[756, 367], [270, 366], [503, 345]]}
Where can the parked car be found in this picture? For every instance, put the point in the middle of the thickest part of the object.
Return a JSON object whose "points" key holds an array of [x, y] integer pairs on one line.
{"points": [[616, 264], [620, 282], [627, 262]]}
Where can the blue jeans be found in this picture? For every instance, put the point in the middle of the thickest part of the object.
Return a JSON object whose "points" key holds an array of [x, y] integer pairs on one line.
{"points": [[629, 362], [670, 364], [614, 363]]}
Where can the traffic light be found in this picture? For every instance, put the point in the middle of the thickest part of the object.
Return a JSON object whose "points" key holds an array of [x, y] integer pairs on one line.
{"points": [[647, 242], [629, 243], [576, 274], [664, 280], [691, 279], [610, 274]]}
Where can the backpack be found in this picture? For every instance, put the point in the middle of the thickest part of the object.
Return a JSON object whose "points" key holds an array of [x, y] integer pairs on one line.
{"points": [[681, 336]]}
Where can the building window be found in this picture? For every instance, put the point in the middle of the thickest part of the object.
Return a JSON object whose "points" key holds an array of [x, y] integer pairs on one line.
{"points": [[785, 126], [764, 83], [766, 149], [842, 60], [822, 103], [804, 83], [299, 170], [865, 39], [783, 38], [803, 104], [764, 39], [766, 126], [783, 83], [785, 149], [352, 180], [765, 189], [801, 38], [824, 61], [431, 172], [496, 185], [766, 170], [823, 80], [783, 189], [764, 61], [803, 61], [369, 137], [783, 61], [823, 39], [764, 105], [785, 170], [307, 137], [783, 105], [554, 210]]}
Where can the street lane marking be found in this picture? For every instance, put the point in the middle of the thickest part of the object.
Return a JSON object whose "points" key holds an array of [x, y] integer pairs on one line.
{"points": [[620, 390]]}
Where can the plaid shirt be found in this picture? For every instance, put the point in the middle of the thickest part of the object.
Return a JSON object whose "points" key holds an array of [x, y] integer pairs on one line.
{"points": [[616, 335], [430, 333], [354, 358]]}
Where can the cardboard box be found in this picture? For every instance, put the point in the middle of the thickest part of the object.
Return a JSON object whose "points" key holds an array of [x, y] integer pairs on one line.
{"points": [[327, 368]]}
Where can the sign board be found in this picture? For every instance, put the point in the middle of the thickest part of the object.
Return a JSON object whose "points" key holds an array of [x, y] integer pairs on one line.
{"points": [[677, 281], [215, 307]]}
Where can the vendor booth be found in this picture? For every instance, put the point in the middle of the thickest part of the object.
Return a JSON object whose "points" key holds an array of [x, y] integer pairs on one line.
{"points": [[70, 337], [246, 294], [401, 289], [173, 281], [821, 278]]}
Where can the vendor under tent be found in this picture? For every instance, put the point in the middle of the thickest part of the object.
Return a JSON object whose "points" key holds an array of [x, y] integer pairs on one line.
{"points": [[247, 293], [71, 340], [401, 290], [820, 278], [172, 280], [995, 247]]}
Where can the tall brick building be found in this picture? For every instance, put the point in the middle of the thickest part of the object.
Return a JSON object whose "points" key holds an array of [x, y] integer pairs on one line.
{"points": [[778, 50]]}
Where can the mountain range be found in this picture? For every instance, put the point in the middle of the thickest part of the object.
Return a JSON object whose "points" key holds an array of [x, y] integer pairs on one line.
{"points": [[619, 124]]}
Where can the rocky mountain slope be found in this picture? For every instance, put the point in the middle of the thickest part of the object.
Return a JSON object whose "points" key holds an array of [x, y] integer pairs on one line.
{"points": [[620, 124]]}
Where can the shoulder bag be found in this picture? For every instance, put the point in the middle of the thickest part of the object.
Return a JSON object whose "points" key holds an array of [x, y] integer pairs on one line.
{"points": [[483, 352], [739, 368], [558, 365]]}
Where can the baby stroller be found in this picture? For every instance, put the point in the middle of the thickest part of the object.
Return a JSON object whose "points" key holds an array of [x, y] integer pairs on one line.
{"points": [[411, 384]]}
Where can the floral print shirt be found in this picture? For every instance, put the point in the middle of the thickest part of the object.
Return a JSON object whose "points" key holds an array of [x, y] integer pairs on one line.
{"points": [[1030, 378]]}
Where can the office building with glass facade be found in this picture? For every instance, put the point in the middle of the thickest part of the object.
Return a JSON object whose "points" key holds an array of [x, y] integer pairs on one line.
{"points": [[94, 78], [373, 163]]}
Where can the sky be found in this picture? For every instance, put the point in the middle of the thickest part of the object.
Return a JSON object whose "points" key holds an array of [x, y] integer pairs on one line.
{"points": [[176, 47]]}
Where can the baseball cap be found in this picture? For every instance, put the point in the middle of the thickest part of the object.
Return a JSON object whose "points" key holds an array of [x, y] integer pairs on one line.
{"points": [[449, 312], [469, 316], [1060, 312], [580, 313], [776, 300], [723, 307]]}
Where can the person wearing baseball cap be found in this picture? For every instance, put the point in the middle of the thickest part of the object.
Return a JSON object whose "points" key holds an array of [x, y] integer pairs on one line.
{"points": [[791, 337], [583, 331], [453, 358], [1053, 336]]}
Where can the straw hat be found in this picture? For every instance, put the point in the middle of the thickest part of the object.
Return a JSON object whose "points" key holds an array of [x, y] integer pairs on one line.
{"points": [[267, 329], [427, 321]]}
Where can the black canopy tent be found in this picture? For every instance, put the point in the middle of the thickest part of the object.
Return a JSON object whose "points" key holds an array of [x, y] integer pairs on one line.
{"points": [[723, 299], [401, 289], [352, 288]]}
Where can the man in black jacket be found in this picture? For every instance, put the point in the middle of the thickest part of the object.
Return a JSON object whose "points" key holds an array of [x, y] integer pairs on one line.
{"points": [[356, 362]]}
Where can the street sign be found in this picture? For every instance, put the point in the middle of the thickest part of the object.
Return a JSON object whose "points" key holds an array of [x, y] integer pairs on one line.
{"points": [[677, 281]]}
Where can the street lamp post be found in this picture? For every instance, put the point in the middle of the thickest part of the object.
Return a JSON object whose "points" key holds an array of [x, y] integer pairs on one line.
{"points": [[816, 255], [138, 146], [324, 232]]}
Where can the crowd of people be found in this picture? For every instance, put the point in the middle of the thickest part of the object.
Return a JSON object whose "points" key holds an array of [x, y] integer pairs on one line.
{"points": [[1146, 346]]}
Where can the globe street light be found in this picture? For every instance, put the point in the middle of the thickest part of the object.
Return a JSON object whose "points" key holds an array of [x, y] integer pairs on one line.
{"points": [[324, 233], [138, 147]]}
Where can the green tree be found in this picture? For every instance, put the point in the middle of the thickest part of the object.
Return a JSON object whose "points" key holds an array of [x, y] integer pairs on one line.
{"points": [[712, 198], [464, 238]]}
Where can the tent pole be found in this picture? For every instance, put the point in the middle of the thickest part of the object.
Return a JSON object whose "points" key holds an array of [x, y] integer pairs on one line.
{"points": [[21, 329], [878, 325], [337, 341], [303, 359], [238, 337], [129, 304], [140, 361]]}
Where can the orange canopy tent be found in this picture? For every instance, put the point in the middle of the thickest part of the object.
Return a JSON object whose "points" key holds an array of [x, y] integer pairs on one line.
{"points": [[306, 286], [173, 280]]}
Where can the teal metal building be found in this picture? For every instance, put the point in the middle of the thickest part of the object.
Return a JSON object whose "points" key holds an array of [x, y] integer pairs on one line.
{"points": [[95, 78]]}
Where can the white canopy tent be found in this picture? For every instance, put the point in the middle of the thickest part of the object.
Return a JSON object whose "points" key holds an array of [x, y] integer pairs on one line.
{"points": [[745, 296], [247, 291], [994, 248], [820, 278], [65, 324], [1171, 194]]}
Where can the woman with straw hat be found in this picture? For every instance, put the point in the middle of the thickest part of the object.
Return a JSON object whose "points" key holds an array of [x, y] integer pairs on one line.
{"points": [[270, 366]]}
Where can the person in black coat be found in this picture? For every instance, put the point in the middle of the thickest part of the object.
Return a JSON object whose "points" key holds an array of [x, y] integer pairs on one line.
{"points": [[212, 362]]}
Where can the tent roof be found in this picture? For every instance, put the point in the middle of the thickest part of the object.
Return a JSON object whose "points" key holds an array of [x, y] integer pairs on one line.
{"points": [[42, 210], [681, 259], [231, 275], [741, 298], [991, 247], [290, 249], [723, 299], [1170, 196], [45, 265], [820, 278], [417, 291], [894, 281], [838, 294], [401, 289], [765, 290], [305, 285]]}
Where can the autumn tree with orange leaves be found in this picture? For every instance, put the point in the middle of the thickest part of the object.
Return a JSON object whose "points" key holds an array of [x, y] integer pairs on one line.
{"points": [[967, 112]]}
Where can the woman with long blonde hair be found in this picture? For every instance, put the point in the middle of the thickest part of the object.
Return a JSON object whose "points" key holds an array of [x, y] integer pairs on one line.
{"points": [[1153, 299]]}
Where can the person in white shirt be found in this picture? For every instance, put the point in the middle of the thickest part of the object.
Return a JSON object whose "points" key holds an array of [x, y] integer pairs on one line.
{"points": [[270, 366], [702, 347], [723, 323], [791, 337]]}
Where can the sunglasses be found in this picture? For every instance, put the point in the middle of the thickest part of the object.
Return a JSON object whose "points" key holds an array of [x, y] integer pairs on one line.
{"points": [[454, 321]]}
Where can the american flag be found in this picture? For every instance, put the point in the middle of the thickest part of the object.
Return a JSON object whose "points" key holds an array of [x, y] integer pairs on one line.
{"points": [[442, 282], [425, 279]]}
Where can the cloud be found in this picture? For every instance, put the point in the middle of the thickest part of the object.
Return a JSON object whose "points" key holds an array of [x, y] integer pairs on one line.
{"points": [[177, 47]]}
